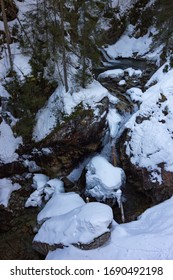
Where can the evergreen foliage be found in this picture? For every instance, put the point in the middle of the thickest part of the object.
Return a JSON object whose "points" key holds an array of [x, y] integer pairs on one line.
{"points": [[58, 30], [165, 23]]}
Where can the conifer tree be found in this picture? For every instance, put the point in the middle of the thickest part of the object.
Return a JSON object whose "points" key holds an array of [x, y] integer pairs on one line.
{"points": [[7, 33]]}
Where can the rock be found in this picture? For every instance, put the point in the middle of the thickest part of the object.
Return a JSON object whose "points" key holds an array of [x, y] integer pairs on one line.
{"points": [[105, 184], [140, 177], [96, 243], [44, 248], [72, 141], [86, 227], [12, 168]]}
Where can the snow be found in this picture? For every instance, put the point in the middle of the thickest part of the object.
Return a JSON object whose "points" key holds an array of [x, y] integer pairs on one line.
{"points": [[39, 182], [80, 225], [8, 143], [122, 83], [135, 94], [122, 5], [53, 186], [132, 72], [6, 188], [44, 188], [20, 63], [103, 179], [62, 102], [148, 238], [114, 73], [59, 204], [128, 45], [3, 92], [151, 141], [120, 73]]}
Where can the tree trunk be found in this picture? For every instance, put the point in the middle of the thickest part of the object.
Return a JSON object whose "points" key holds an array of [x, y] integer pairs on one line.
{"points": [[64, 59], [84, 47], [7, 33]]}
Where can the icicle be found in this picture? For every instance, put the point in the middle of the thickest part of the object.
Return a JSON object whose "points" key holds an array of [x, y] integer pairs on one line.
{"points": [[120, 204]]}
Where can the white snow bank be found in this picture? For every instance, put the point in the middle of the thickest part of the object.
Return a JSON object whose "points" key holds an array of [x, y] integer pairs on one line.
{"points": [[48, 117], [45, 188], [88, 96], [103, 179], [3, 92], [20, 62], [148, 238], [114, 73], [65, 102], [135, 94], [127, 45], [39, 182], [120, 73], [59, 204], [151, 127], [6, 188], [80, 225], [53, 186], [8, 143]]}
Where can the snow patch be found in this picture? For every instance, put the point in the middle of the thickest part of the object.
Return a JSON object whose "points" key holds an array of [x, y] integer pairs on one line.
{"points": [[127, 45], [80, 225], [59, 204], [6, 188], [103, 180], [8, 143]]}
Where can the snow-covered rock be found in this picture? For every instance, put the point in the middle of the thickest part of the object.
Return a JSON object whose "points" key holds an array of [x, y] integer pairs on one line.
{"points": [[6, 188], [148, 238], [103, 180], [149, 140], [8, 143], [53, 186], [39, 182], [80, 226], [60, 204]]}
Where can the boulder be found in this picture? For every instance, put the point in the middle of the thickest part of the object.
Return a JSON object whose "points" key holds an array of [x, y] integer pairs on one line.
{"points": [[103, 180], [79, 136], [146, 146], [86, 227]]}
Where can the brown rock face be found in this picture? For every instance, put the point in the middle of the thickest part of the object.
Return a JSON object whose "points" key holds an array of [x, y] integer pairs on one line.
{"points": [[140, 177], [9, 169], [44, 248], [79, 136]]}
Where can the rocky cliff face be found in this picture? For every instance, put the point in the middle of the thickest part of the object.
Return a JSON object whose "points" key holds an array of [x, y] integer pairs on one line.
{"points": [[79, 136]]}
